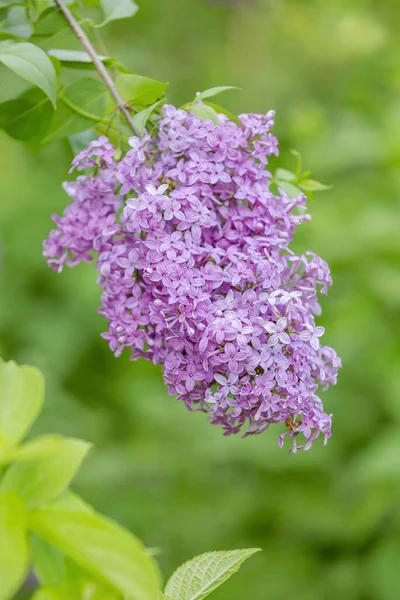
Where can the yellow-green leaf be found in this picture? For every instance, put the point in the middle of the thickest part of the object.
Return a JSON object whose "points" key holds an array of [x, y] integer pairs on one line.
{"points": [[13, 544], [21, 400], [220, 110], [141, 118], [44, 468], [49, 594], [204, 112], [137, 89], [310, 185], [58, 573], [100, 546]]}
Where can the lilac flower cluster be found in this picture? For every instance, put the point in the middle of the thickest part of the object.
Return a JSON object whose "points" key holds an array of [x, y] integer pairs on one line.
{"points": [[197, 273]]}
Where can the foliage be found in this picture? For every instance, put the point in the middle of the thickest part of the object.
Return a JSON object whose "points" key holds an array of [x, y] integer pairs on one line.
{"points": [[75, 551], [328, 522], [87, 104], [83, 103]]}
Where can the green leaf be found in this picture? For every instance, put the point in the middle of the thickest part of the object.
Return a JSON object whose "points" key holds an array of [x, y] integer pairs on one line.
{"points": [[75, 56], [17, 22], [141, 118], [6, 35], [297, 155], [44, 468], [310, 185], [117, 133], [291, 190], [80, 141], [83, 104], [5, 3], [77, 59], [42, 5], [90, 592], [51, 30], [91, 3], [57, 572], [31, 63], [200, 576], [48, 563], [221, 110], [48, 594], [13, 544], [215, 91], [28, 117], [285, 175], [122, 9], [205, 112], [99, 545], [137, 89], [21, 400], [49, 22]]}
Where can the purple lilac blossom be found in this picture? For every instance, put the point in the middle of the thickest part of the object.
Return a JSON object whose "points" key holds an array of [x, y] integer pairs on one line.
{"points": [[197, 274]]}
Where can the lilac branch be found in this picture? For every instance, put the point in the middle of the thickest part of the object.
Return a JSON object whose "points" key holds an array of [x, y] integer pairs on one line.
{"points": [[101, 69]]}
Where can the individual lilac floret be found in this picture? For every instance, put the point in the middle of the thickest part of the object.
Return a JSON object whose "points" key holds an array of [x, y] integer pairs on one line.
{"points": [[197, 274]]}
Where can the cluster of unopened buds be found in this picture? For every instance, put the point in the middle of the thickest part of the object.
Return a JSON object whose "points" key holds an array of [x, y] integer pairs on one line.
{"points": [[192, 250]]}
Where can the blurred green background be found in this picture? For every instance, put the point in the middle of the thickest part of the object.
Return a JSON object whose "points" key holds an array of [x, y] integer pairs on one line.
{"points": [[328, 520]]}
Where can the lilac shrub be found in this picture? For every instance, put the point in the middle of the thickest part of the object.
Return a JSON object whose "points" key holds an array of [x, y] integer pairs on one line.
{"points": [[192, 250]]}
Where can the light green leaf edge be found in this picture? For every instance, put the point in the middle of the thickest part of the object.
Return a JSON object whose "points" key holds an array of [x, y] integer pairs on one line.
{"points": [[214, 91], [197, 578]]}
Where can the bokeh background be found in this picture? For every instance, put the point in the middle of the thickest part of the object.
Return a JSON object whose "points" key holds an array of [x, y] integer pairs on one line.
{"points": [[328, 521]]}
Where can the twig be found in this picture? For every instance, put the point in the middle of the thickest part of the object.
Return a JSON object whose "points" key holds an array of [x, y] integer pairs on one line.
{"points": [[97, 33], [102, 71]]}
